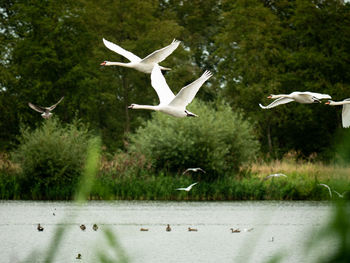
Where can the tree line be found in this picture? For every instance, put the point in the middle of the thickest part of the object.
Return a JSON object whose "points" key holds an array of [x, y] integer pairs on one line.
{"points": [[51, 49]]}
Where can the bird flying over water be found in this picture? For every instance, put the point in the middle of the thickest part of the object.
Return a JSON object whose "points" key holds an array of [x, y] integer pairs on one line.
{"points": [[187, 189], [144, 65], [297, 96], [168, 102], [329, 189], [46, 111], [194, 170], [345, 111]]}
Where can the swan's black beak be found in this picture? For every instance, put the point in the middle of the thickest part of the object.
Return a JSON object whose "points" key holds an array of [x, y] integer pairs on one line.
{"points": [[131, 106]]}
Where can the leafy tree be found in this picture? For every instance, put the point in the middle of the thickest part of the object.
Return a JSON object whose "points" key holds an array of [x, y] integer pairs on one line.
{"points": [[219, 141]]}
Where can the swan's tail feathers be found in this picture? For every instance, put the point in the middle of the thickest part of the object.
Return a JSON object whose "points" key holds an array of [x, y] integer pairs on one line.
{"points": [[263, 107]]}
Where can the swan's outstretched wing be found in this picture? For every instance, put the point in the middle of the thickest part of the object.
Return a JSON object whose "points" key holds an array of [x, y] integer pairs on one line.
{"points": [[161, 54], [329, 189], [346, 115], [276, 102], [121, 51], [318, 96], [190, 186], [36, 108], [54, 106], [159, 84], [186, 94]]}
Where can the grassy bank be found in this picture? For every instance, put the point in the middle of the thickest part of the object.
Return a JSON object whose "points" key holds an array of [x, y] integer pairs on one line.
{"points": [[122, 178]]}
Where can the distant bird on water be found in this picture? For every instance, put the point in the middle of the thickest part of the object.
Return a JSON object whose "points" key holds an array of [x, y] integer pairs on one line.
{"points": [[168, 228], [78, 256], [40, 228], [297, 96], [95, 227], [143, 229], [144, 65], [83, 227], [188, 188], [235, 230], [345, 112], [190, 229], [274, 175], [46, 111], [329, 189], [194, 170]]}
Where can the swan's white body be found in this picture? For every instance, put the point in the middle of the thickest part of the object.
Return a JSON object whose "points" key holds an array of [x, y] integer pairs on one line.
{"points": [[345, 112], [187, 189], [46, 111], [194, 170], [169, 103], [297, 96], [144, 65]]}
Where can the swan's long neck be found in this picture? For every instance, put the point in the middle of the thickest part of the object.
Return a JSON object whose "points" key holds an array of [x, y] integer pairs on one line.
{"points": [[127, 65], [145, 107], [280, 96], [335, 103]]}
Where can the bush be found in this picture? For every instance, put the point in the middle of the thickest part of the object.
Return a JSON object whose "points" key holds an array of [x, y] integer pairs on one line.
{"points": [[219, 141], [51, 158]]}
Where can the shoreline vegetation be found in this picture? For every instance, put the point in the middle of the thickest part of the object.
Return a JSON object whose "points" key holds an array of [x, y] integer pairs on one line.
{"points": [[121, 178]]}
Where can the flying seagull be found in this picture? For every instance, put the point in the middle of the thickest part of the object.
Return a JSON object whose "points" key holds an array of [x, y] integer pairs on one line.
{"points": [[187, 189], [329, 189], [345, 112], [340, 195], [144, 65], [194, 170], [168, 102], [274, 175], [297, 96], [46, 111]]}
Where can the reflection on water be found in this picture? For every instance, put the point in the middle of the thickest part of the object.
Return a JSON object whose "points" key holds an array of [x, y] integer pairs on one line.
{"points": [[288, 223]]}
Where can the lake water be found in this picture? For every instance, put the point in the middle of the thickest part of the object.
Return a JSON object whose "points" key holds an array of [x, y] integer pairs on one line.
{"points": [[290, 224]]}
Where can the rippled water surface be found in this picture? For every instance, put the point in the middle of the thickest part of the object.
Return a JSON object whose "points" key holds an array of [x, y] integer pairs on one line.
{"points": [[290, 224]]}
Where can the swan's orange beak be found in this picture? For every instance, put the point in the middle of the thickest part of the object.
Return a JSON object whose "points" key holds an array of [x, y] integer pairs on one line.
{"points": [[327, 102], [103, 63], [269, 97]]}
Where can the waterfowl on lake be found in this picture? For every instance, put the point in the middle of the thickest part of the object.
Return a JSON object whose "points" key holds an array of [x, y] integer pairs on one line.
{"points": [[271, 240], [83, 227], [40, 228], [194, 170], [235, 230], [95, 227], [192, 229], [345, 111], [143, 229], [168, 228], [168, 102], [144, 65], [188, 188], [46, 111], [297, 96], [78, 256]]}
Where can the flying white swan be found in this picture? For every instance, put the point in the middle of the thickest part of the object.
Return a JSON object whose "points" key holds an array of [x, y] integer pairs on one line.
{"points": [[188, 188], [274, 175], [194, 170], [169, 103], [144, 65], [297, 96], [46, 111], [329, 189], [345, 112]]}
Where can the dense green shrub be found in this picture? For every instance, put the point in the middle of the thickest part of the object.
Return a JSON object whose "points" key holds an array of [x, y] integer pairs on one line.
{"points": [[219, 141], [51, 158]]}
